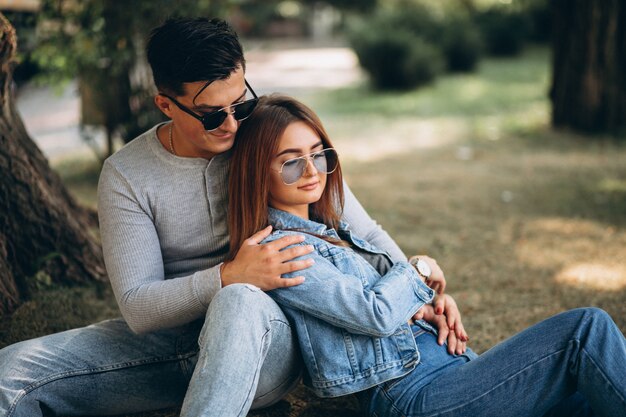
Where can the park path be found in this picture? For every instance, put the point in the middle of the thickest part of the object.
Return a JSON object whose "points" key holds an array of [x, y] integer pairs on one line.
{"points": [[52, 115]]}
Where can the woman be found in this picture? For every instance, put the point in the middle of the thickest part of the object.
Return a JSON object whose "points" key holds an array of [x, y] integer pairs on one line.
{"points": [[352, 312]]}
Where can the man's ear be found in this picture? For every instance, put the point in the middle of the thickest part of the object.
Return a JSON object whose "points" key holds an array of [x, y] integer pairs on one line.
{"points": [[163, 104]]}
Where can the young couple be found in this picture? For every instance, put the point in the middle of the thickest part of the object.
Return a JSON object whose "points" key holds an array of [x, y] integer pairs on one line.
{"points": [[202, 324]]}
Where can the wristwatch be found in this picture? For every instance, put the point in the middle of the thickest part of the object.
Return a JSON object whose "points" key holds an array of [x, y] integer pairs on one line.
{"points": [[421, 267]]}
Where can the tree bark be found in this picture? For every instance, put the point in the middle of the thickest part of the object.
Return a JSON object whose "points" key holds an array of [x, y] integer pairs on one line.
{"points": [[45, 236], [589, 65]]}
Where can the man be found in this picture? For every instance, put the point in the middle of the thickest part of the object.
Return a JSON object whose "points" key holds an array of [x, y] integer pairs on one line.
{"points": [[195, 330]]}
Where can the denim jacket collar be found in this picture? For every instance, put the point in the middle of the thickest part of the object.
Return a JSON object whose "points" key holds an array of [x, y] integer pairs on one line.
{"points": [[281, 220]]}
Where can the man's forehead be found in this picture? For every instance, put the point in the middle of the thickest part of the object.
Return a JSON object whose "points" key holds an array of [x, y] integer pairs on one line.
{"points": [[217, 93]]}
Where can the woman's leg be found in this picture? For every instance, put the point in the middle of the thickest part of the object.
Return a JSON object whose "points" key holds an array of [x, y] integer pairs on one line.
{"points": [[248, 355], [100, 369], [573, 406], [579, 350]]}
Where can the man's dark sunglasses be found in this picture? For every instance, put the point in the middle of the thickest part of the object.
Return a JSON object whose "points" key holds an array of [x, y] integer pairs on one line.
{"points": [[213, 120]]}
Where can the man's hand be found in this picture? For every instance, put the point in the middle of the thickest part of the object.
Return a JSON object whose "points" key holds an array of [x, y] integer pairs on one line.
{"points": [[437, 280], [263, 264], [448, 324]]}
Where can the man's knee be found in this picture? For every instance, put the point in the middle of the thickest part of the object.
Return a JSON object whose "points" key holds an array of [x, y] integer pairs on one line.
{"points": [[241, 299], [236, 293], [241, 309], [17, 360], [20, 365]]}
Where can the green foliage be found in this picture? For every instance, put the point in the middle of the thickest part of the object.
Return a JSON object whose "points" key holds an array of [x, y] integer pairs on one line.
{"points": [[417, 40], [105, 35], [349, 5], [539, 15], [100, 42], [41, 279], [397, 59], [462, 44], [504, 30]]}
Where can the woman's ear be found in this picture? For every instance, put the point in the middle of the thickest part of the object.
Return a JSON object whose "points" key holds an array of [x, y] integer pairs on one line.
{"points": [[164, 104]]}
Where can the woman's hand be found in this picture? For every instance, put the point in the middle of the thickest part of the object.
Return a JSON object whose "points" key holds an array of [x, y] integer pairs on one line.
{"points": [[437, 280], [263, 264], [449, 324]]}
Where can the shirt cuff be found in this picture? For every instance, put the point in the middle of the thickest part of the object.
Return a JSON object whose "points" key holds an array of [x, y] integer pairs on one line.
{"points": [[207, 283]]}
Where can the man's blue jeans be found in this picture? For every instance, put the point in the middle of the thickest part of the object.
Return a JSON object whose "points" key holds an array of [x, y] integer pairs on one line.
{"points": [[576, 356], [242, 355]]}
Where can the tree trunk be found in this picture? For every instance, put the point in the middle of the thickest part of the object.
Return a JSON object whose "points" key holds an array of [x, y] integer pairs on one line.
{"points": [[44, 235], [589, 65]]}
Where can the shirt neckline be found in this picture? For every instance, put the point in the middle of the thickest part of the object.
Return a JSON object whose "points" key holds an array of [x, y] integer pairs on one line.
{"points": [[159, 150]]}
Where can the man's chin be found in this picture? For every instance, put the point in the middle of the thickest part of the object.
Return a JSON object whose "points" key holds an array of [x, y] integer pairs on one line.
{"points": [[219, 145]]}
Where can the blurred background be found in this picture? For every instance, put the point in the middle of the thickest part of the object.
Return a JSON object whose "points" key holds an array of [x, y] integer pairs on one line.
{"points": [[488, 134]]}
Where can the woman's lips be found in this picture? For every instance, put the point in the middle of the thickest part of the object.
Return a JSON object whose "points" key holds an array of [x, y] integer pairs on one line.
{"points": [[309, 187]]}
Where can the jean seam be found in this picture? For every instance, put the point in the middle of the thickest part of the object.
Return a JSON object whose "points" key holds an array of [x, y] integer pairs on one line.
{"points": [[287, 380], [448, 410], [258, 369], [87, 371], [603, 375], [392, 404]]}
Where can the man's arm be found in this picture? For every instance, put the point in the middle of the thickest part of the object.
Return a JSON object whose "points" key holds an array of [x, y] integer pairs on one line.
{"points": [[134, 263], [366, 228]]}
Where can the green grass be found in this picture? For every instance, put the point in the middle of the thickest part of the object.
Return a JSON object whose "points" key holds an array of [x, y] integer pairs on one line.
{"points": [[498, 87], [525, 221]]}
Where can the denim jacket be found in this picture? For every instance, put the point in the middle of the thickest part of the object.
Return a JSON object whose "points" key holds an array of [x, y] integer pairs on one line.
{"points": [[350, 321]]}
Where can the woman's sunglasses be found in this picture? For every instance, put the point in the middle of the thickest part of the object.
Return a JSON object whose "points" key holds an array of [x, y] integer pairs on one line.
{"points": [[213, 120], [325, 161]]}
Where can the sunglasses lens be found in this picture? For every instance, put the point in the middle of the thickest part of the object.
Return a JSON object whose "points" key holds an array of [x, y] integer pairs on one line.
{"points": [[293, 170], [214, 120], [244, 110], [241, 111], [326, 161]]}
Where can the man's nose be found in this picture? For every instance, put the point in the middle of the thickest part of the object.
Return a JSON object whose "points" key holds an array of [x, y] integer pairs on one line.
{"points": [[230, 124]]}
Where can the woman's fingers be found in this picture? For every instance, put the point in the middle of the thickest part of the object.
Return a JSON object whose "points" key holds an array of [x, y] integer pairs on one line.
{"points": [[455, 345], [440, 304], [460, 332], [419, 315], [454, 319], [443, 330]]}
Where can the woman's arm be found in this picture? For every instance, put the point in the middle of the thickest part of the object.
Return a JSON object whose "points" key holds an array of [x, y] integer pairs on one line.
{"points": [[134, 263], [341, 299], [366, 228]]}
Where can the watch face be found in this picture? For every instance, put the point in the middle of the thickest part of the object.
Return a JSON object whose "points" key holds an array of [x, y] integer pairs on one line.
{"points": [[423, 268]]}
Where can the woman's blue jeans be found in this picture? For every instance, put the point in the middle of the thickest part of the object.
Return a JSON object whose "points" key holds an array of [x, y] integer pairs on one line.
{"points": [[242, 355], [567, 365]]}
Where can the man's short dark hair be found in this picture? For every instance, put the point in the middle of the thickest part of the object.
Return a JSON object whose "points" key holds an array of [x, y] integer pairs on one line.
{"points": [[184, 50]]}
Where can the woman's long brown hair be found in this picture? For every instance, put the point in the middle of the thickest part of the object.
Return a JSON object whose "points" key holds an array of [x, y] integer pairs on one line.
{"points": [[255, 147]]}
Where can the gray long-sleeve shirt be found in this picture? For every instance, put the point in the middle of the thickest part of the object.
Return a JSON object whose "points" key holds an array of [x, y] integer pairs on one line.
{"points": [[164, 231]]}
